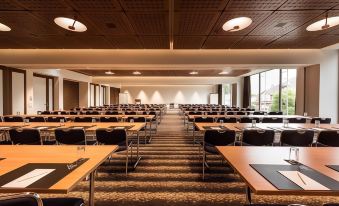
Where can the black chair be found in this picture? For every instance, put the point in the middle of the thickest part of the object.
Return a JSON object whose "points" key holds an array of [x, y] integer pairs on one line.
{"points": [[25, 136], [213, 138], [74, 112], [139, 119], [227, 119], [13, 119], [328, 138], [46, 112], [111, 113], [203, 119], [258, 113], [115, 137], [83, 119], [92, 113], [109, 119], [130, 113], [241, 113], [212, 113], [257, 137], [322, 120], [231, 113], [70, 136], [297, 137], [297, 120], [331, 204], [56, 119], [249, 119], [33, 199], [272, 120], [35, 119], [275, 113]]}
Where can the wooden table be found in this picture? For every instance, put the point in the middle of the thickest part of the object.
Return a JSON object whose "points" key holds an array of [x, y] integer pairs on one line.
{"points": [[240, 159], [91, 127], [251, 116], [20, 155]]}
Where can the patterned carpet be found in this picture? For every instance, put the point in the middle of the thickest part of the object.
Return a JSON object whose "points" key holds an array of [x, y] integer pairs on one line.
{"points": [[170, 174]]}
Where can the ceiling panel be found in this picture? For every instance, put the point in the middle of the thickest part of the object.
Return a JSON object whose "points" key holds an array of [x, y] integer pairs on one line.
{"points": [[254, 42], [245, 5], [9, 43], [188, 42], [125, 42], [198, 23], [319, 41], [149, 23], [9, 5], [144, 5], [256, 16], [308, 4], [287, 41], [95, 5], [110, 23], [155, 42], [221, 42], [200, 5], [282, 22], [94, 42], [43, 5]]}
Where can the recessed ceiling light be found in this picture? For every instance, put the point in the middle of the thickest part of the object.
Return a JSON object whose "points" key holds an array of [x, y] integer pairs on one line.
{"points": [[109, 73], [324, 24], [70, 24], [194, 73], [224, 72], [136, 73], [3, 27], [237, 24]]}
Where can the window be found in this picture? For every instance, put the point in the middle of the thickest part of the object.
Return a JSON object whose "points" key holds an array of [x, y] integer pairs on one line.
{"points": [[228, 94], [255, 91], [274, 90]]}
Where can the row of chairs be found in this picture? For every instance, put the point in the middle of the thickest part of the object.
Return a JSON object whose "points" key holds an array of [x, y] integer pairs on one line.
{"points": [[64, 119], [109, 112]]}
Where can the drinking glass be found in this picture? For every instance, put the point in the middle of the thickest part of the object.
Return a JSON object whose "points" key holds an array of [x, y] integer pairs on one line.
{"points": [[221, 123], [285, 122], [26, 122], [317, 123], [93, 120], [131, 120], [254, 123], [294, 154], [305, 114], [62, 122]]}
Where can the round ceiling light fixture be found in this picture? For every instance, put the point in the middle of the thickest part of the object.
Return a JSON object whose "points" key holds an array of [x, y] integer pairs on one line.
{"points": [[324, 24], [70, 24], [109, 72], [194, 73], [136, 73], [4, 27], [237, 24]]}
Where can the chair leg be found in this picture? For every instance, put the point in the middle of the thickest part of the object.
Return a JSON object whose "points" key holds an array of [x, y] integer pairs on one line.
{"points": [[203, 165], [126, 160]]}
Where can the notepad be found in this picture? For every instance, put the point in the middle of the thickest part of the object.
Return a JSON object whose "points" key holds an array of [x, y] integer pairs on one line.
{"points": [[302, 180], [4, 128], [216, 128], [41, 128], [78, 127], [119, 127], [29, 178]]}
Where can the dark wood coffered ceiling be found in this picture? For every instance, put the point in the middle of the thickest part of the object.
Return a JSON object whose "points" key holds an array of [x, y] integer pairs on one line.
{"points": [[153, 24]]}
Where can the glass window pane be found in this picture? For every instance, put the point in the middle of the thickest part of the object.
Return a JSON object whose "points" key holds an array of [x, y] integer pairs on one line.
{"points": [[269, 90], [255, 91], [288, 91], [228, 95]]}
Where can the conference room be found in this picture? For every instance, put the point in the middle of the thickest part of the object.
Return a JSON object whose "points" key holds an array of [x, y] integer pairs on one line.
{"points": [[169, 102]]}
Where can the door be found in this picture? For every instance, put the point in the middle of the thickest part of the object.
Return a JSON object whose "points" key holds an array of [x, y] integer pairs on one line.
{"points": [[39, 94]]}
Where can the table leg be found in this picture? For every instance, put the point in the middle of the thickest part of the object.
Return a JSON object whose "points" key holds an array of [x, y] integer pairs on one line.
{"points": [[91, 188], [248, 196], [138, 156]]}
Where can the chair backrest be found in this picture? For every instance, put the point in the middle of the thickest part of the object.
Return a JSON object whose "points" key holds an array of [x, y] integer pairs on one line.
{"points": [[111, 136], [36, 119], [258, 137], [258, 113], [212, 113], [14, 119], [203, 119], [83, 119], [73, 112], [297, 120], [111, 113], [130, 113], [322, 120], [194, 113], [329, 138], [272, 120], [136, 119], [249, 119], [92, 112], [219, 137], [108, 119], [241, 113], [297, 137], [275, 113], [56, 119], [231, 113], [227, 119], [70, 136], [25, 136], [26, 199], [46, 112]]}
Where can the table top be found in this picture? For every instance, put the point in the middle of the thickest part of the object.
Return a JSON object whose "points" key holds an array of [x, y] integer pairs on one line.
{"points": [[120, 116], [137, 126], [317, 158], [17, 156], [238, 127], [251, 116]]}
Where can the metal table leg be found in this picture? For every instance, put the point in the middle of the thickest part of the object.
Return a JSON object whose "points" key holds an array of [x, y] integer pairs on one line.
{"points": [[248, 196], [138, 156], [91, 188]]}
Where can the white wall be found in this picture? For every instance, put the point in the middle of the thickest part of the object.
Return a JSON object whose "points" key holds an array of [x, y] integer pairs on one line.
{"points": [[83, 94], [18, 94], [328, 90], [164, 94], [39, 94]]}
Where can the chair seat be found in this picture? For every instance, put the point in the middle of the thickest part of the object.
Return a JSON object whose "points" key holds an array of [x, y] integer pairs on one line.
{"points": [[122, 146], [50, 142], [63, 202], [5, 142]]}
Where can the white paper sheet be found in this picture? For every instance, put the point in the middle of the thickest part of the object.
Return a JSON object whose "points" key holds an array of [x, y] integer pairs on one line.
{"points": [[303, 181], [215, 128], [40, 128], [29, 178], [4, 128], [119, 128], [78, 127]]}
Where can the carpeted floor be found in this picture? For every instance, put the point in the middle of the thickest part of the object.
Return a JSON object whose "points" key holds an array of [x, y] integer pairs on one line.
{"points": [[170, 174]]}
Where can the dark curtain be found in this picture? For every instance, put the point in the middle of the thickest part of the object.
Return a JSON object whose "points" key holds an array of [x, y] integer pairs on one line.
{"points": [[220, 94], [247, 92]]}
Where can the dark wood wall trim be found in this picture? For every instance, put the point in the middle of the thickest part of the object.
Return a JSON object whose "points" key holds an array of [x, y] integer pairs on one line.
{"points": [[114, 95], [70, 94]]}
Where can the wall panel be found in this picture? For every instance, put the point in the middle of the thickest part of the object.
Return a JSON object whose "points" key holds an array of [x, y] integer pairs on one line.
{"points": [[71, 94]]}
